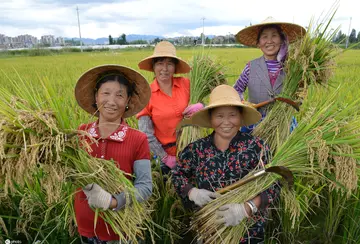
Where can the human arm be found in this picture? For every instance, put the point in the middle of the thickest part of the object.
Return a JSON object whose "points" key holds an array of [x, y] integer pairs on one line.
{"points": [[184, 179], [100, 198], [232, 214], [142, 184], [146, 125], [242, 81]]}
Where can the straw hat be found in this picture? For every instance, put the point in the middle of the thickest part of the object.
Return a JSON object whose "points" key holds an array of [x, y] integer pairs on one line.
{"points": [[225, 95], [165, 49], [248, 36], [85, 88]]}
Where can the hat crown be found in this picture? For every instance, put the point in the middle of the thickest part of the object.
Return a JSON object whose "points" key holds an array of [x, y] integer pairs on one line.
{"points": [[165, 48], [269, 20], [224, 94]]}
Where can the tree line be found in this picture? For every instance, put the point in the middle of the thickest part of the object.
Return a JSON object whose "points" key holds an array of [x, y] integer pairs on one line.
{"points": [[340, 37]]}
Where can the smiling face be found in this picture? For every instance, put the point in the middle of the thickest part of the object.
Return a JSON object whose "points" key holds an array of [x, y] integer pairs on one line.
{"points": [[226, 121], [164, 70], [269, 42], [111, 99]]}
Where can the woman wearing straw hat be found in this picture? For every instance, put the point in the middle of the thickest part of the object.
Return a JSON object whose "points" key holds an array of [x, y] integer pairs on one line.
{"points": [[168, 103], [112, 93], [222, 158], [263, 77]]}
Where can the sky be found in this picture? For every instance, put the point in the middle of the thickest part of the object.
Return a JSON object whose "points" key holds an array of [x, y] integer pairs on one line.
{"points": [[168, 18]]}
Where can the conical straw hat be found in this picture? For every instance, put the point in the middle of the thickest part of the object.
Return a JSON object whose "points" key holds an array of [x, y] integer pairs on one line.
{"points": [[168, 50], [248, 36], [225, 95], [85, 88]]}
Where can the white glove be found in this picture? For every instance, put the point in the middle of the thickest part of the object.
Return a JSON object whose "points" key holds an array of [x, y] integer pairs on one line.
{"points": [[97, 197], [201, 196], [231, 214]]}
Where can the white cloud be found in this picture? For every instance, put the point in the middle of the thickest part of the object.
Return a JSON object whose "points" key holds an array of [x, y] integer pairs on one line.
{"points": [[161, 17]]}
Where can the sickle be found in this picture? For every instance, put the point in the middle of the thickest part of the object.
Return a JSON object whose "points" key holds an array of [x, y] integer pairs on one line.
{"points": [[280, 170], [282, 99]]}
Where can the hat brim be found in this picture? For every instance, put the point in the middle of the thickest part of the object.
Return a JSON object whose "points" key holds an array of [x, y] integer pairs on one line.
{"points": [[182, 67], [85, 88], [201, 118], [248, 36]]}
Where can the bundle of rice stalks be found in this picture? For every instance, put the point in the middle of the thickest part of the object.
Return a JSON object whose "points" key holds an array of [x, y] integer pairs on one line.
{"points": [[205, 75], [311, 60], [42, 167], [169, 217], [323, 150]]}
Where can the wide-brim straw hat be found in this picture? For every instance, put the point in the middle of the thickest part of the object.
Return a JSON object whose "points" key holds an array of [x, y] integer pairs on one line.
{"points": [[85, 88], [248, 36], [221, 96], [167, 50]]}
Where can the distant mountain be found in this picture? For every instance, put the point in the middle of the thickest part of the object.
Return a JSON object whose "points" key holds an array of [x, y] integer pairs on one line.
{"points": [[129, 38], [105, 40]]}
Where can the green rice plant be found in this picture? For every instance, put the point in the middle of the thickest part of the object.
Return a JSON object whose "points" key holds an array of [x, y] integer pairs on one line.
{"points": [[204, 76], [349, 231], [169, 217]]}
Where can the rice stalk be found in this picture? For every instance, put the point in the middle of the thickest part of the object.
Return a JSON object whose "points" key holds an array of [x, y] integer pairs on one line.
{"points": [[204, 76]]}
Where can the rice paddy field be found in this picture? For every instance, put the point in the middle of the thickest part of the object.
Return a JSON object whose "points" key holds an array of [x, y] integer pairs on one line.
{"points": [[336, 216], [63, 70]]}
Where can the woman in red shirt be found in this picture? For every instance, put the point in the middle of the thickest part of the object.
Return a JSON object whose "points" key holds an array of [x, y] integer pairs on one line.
{"points": [[112, 93], [168, 103]]}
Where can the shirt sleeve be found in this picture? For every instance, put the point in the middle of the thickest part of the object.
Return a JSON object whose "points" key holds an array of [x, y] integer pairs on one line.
{"points": [[243, 80], [183, 176], [146, 126], [142, 183], [145, 112], [269, 196]]}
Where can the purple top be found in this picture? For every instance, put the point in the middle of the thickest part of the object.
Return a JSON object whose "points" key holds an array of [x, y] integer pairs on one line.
{"points": [[243, 80]]}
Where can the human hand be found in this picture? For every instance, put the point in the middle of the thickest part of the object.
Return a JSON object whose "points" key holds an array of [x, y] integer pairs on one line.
{"points": [[169, 161], [97, 197], [201, 196], [191, 109], [231, 214]]}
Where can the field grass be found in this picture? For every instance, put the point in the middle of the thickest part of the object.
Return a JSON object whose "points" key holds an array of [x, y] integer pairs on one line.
{"points": [[63, 70]]}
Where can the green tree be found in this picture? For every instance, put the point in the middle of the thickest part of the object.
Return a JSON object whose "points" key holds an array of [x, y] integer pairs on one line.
{"points": [[138, 42], [111, 40], [352, 37], [207, 40], [340, 37], [358, 37], [156, 40], [122, 40]]}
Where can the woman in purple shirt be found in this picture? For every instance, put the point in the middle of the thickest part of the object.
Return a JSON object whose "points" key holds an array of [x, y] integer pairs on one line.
{"points": [[263, 76]]}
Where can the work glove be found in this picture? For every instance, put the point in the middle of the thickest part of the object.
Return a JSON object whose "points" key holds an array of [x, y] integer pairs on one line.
{"points": [[169, 161], [231, 214], [97, 197], [283, 51], [191, 109], [201, 196]]}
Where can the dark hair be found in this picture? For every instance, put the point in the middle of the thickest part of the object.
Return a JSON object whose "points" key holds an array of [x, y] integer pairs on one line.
{"points": [[155, 60], [115, 75], [277, 27], [241, 109]]}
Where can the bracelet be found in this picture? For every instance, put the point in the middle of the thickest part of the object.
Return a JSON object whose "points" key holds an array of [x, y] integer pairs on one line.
{"points": [[252, 206]]}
